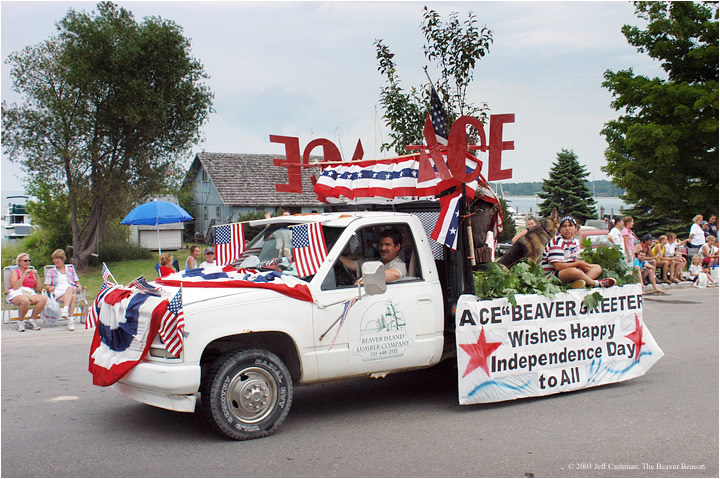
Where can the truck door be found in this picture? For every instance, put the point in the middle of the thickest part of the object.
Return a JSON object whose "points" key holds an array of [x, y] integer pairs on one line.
{"points": [[401, 328]]}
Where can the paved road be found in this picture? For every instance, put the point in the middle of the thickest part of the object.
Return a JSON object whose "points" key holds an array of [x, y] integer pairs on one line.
{"points": [[55, 423]]}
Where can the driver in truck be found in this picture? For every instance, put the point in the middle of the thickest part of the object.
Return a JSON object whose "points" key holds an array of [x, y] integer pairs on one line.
{"points": [[389, 247]]}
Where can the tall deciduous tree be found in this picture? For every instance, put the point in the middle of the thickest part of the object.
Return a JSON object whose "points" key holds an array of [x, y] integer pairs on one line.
{"points": [[663, 149], [566, 190], [454, 47], [110, 107]]}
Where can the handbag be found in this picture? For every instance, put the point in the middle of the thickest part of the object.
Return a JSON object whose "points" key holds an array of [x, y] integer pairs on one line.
{"points": [[51, 313]]}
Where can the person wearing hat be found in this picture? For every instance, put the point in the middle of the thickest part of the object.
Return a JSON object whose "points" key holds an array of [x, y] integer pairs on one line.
{"points": [[209, 258], [560, 258]]}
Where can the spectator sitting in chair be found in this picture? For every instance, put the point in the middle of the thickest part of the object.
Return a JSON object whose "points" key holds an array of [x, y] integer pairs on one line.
{"points": [[672, 251], [166, 268], [710, 252], [63, 283], [646, 272], [25, 288], [662, 260]]}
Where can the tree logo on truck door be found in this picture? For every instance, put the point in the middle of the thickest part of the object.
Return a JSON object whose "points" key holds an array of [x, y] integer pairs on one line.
{"points": [[382, 333]]}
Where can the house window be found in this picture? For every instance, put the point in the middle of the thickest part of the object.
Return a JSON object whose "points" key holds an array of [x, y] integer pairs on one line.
{"points": [[203, 176], [205, 213], [217, 212]]}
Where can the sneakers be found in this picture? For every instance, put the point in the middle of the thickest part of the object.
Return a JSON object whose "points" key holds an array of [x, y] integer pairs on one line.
{"points": [[64, 314], [606, 283], [31, 324], [71, 324], [21, 326], [577, 284]]}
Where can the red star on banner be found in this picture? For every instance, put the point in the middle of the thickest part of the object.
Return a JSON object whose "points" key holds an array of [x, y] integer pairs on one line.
{"points": [[636, 337], [479, 353]]}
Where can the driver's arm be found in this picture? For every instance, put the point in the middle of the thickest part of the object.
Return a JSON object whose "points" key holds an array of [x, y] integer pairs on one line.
{"points": [[348, 263], [392, 274]]}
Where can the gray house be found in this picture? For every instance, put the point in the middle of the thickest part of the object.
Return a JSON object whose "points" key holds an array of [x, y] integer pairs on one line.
{"points": [[227, 185]]}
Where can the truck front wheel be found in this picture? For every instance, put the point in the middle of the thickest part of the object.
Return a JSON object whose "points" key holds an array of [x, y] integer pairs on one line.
{"points": [[247, 394]]}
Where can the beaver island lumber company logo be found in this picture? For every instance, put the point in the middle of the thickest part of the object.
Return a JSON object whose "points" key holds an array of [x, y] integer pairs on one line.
{"points": [[383, 333]]}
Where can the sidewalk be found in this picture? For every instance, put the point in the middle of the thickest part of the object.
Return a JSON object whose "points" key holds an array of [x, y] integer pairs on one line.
{"points": [[672, 287]]}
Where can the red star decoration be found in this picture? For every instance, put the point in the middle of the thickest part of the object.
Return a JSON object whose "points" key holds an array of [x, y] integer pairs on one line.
{"points": [[479, 353], [636, 337]]}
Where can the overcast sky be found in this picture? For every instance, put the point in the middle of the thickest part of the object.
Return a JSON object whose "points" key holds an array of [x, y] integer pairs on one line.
{"points": [[308, 69]]}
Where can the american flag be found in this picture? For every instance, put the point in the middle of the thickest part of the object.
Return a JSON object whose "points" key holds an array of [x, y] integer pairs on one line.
{"points": [[142, 284], [107, 275], [446, 229], [172, 325], [309, 248], [438, 116], [229, 243]]}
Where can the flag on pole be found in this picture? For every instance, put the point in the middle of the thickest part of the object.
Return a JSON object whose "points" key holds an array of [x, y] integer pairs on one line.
{"points": [[107, 275], [309, 248], [142, 284], [172, 325], [438, 117], [229, 243], [346, 310], [446, 229]]}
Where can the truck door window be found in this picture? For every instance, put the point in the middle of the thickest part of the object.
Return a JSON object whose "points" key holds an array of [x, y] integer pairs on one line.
{"points": [[372, 243]]}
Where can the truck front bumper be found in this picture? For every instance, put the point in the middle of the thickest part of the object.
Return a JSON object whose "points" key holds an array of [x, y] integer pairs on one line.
{"points": [[169, 387]]}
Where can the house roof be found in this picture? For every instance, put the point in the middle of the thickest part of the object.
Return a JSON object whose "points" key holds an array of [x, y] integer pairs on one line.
{"points": [[244, 179]]}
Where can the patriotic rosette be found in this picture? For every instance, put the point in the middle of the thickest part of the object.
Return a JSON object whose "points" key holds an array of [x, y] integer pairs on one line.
{"points": [[127, 322]]}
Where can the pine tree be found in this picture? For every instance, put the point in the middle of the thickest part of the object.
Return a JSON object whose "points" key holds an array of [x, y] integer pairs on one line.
{"points": [[566, 190]]}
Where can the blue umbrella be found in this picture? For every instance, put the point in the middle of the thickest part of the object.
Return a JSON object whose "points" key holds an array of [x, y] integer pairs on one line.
{"points": [[156, 213]]}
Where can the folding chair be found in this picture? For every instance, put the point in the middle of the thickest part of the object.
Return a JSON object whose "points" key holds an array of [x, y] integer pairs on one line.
{"points": [[81, 305], [7, 306]]}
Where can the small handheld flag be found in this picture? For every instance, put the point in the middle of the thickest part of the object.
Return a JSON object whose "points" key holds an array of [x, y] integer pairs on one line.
{"points": [[309, 249], [229, 243]]}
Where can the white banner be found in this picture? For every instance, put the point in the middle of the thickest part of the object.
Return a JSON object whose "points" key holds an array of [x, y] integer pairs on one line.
{"points": [[547, 345]]}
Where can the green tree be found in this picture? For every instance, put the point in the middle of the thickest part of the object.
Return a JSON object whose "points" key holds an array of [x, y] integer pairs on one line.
{"points": [[454, 47], [566, 189], [663, 149], [110, 107], [509, 228]]}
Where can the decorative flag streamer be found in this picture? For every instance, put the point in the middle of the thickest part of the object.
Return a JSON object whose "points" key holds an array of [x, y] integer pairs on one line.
{"points": [[446, 229], [172, 325], [346, 310], [229, 243], [142, 284], [309, 248], [94, 311]]}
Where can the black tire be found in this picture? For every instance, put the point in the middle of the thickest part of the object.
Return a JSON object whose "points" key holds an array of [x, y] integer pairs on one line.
{"points": [[247, 394]]}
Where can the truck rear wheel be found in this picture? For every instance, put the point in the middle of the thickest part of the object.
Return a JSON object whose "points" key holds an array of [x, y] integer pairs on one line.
{"points": [[247, 394]]}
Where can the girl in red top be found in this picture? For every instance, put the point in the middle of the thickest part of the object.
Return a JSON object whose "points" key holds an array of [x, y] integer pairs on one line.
{"points": [[166, 265]]}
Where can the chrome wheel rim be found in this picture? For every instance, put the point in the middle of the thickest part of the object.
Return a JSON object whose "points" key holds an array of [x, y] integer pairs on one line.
{"points": [[252, 395]]}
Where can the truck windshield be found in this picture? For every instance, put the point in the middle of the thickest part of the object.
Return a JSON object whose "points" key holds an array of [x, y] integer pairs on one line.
{"points": [[272, 249]]}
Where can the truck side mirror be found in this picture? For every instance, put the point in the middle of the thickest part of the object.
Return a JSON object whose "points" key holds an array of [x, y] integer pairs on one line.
{"points": [[373, 277]]}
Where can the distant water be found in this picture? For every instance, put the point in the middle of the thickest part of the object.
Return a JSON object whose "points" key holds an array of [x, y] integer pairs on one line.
{"points": [[529, 204]]}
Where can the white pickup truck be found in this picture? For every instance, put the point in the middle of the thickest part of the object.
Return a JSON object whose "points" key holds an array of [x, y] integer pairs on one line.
{"points": [[246, 348]]}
